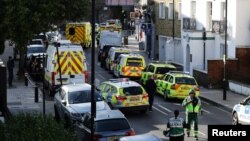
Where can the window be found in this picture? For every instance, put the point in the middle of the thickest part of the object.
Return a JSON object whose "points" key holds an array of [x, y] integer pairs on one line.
{"points": [[193, 9], [167, 77], [185, 80], [82, 97], [179, 14], [171, 79], [161, 10], [113, 90], [107, 89], [170, 11], [163, 70], [151, 69], [133, 90], [111, 125], [136, 62]]}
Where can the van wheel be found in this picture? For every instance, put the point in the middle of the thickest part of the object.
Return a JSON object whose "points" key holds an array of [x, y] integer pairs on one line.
{"points": [[51, 93], [57, 117], [165, 95]]}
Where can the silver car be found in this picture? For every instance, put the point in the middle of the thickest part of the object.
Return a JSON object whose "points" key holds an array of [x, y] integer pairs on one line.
{"points": [[241, 112], [142, 137], [74, 100]]}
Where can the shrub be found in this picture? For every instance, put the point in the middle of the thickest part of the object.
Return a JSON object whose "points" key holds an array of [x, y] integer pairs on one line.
{"points": [[27, 127]]}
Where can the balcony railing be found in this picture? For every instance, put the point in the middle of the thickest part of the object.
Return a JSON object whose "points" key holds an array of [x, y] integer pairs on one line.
{"points": [[218, 26], [189, 24]]}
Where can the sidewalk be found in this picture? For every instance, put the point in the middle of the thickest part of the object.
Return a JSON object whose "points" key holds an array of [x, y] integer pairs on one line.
{"points": [[21, 98], [214, 96]]}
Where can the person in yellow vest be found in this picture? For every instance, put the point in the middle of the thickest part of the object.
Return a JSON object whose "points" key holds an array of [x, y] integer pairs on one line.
{"points": [[193, 107]]}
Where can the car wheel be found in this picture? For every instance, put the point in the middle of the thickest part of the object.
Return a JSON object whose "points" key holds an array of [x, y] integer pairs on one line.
{"points": [[235, 120], [57, 117], [144, 111], [165, 95]]}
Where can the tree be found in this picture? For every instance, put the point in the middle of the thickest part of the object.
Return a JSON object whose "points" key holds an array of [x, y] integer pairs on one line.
{"points": [[26, 18], [3, 25]]}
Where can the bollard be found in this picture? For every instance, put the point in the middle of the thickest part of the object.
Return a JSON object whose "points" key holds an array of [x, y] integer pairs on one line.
{"points": [[36, 93], [26, 79]]}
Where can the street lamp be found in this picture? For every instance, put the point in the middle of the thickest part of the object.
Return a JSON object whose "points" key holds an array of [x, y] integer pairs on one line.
{"points": [[225, 57], [173, 25]]}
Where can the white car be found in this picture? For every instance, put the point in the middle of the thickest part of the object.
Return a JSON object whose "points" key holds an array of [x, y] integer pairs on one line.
{"points": [[241, 112], [35, 50], [72, 101]]}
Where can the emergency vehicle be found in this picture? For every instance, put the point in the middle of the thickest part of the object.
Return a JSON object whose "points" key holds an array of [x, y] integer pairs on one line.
{"points": [[158, 68], [108, 38], [176, 84], [113, 54], [79, 33], [72, 66], [129, 65], [124, 94]]}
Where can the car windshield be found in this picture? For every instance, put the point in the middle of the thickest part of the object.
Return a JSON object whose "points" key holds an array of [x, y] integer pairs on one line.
{"points": [[82, 97], [133, 90], [36, 50], [36, 42], [163, 70], [136, 62], [119, 53], [111, 125], [185, 80]]}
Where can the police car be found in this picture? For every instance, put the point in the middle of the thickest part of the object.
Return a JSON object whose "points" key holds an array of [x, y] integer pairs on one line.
{"points": [[241, 112], [124, 94], [158, 68], [176, 84]]}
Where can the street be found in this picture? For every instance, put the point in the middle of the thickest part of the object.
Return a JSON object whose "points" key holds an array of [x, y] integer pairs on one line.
{"points": [[155, 122]]}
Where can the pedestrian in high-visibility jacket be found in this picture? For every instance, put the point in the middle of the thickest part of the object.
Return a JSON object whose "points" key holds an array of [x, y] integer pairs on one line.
{"points": [[176, 127], [193, 107]]}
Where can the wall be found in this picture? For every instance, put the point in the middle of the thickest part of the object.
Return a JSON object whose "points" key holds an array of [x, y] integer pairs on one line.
{"points": [[216, 71], [239, 88]]}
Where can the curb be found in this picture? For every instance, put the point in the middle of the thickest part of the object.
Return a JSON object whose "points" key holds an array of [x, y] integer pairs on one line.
{"points": [[226, 108]]}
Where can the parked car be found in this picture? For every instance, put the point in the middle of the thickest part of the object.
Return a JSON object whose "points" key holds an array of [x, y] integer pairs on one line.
{"points": [[176, 84], [241, 112], [109, 125], [72, 101], [142, 137], [35, 50]]}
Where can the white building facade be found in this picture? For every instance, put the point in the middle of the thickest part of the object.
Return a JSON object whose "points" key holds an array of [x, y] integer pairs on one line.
{"points": [[208, 16]]}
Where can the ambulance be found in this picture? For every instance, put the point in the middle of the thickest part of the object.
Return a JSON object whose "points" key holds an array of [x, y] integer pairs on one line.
{"points": [[79, 33], [69, 68]]}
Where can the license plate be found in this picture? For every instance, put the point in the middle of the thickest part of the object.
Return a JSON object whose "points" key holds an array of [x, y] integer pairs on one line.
{"points": [[133, 70], [185, 88], [112, 138], [136, 98]]}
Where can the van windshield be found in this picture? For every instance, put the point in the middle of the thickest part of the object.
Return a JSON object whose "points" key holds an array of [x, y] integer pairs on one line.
{"points": [[117, 54], [136, 62]]}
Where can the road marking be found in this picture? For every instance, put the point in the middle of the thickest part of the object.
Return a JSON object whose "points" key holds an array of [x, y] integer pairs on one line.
{"points": [[165, 108], [202, 133], [178, 104], [206, 102], [160, 111], [205, 111], [222, 110]]}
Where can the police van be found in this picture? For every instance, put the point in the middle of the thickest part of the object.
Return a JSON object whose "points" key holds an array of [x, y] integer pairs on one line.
{"points": [[113, 54], [129, 65], [70, 67]]}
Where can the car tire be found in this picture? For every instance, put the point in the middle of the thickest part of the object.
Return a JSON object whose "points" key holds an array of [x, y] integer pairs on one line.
{"points": [[235, 119], [57, 117], [165, 95]]}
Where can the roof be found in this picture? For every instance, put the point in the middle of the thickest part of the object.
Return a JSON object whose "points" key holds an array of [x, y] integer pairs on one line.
{"points": [[162, 65], [122, 49], [180, 74], [131, 55], [108, 114], [35, 45], [142, 137], [122, 84], [76, 87]]}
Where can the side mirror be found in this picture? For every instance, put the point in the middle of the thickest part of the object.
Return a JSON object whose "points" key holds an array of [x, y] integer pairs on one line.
{"points": [[242, 102], [64, 102]]}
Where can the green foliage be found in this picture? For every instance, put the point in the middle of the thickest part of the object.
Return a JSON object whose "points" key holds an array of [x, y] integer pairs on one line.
{"points": [[26, 127]]}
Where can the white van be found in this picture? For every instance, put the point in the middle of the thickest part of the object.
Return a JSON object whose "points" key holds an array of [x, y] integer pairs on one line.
{"points": [[73, 68], [113, 54]]}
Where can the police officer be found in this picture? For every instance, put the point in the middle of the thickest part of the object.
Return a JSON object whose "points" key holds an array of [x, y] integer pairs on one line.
{"points": [[10, 67], [176, 127], [193, 107], [150, 87]]}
